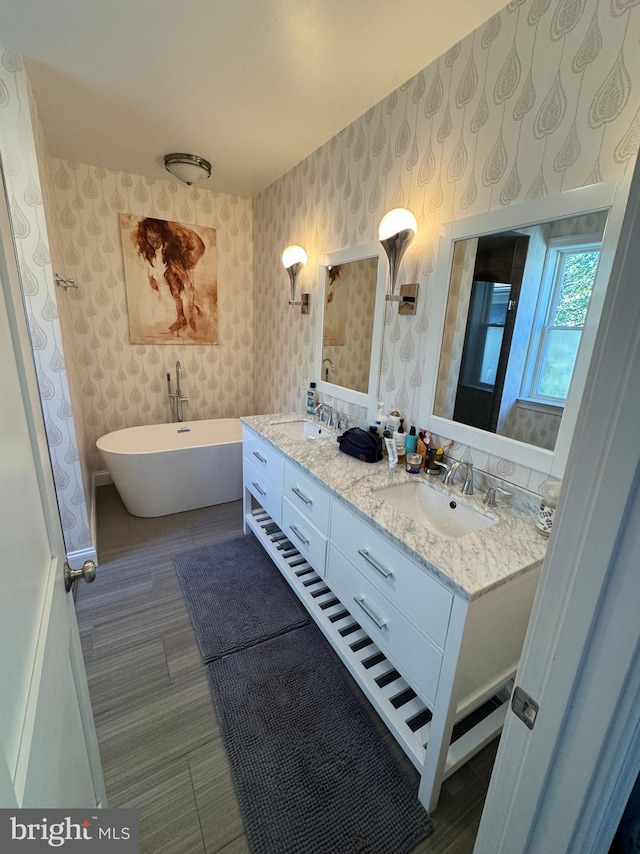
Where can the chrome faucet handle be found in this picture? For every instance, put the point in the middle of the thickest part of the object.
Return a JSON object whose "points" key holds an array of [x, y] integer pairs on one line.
{"points": [[467, 486], [490, 497], [343, 421], [334, 418], [434, 472]]}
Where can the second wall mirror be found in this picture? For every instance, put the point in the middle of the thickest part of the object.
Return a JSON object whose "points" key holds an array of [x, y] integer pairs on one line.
{"points": [[521, 290]]}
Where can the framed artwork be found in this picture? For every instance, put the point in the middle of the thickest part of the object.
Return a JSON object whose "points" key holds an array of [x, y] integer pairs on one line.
{"points": [[171, 281]]}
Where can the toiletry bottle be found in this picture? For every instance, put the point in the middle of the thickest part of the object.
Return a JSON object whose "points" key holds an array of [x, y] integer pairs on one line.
{"points": [[399, 437], [421, 447], [393, 421], [411, 441], [312, 399], [550, 492], [380, 420]]}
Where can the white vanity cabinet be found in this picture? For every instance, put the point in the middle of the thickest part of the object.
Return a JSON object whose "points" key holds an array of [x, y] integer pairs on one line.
{"points": [[425, 655], [262, 474]]}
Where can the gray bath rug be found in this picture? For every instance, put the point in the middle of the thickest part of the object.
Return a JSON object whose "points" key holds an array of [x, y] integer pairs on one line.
{"points": [[235, 596], [311, 771]]}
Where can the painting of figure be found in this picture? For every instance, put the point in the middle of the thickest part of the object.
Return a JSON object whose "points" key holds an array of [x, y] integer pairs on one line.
{"points": [[171, 280]]}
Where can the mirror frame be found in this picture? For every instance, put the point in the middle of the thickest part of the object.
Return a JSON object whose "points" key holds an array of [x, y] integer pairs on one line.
{"points": [[373, 249], [611, 196]]}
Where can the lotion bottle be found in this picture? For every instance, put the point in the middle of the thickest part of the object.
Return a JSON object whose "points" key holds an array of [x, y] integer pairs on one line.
{"points": [[550, 492]]}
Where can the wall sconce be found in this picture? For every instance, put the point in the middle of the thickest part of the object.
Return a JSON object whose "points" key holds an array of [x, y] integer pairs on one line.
{"points": [[395, 232], [294, 258], [188, 168]]}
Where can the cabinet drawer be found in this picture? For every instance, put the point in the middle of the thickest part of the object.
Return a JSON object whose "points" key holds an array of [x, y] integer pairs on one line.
{"points": [[264, 457], [408, 586], [307, 496], [263, 491], [414, 656], [304, 536]]}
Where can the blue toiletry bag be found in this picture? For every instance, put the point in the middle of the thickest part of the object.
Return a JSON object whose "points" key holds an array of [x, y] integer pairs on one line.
{"points": [[361, 445]]}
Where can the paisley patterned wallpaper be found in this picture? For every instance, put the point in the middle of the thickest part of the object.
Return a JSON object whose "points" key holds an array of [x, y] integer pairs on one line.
{"points": [[123, 385], [20, 137], [543, 97]]}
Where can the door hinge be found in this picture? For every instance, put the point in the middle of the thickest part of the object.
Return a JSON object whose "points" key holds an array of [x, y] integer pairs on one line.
{"points": [[524, 706]]}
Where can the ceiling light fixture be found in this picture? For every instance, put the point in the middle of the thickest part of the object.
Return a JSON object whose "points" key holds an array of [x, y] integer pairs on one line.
{"points": [[188, 168]]}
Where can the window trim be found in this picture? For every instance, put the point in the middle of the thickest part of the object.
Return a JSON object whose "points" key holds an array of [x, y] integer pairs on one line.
{"points": [[547, 301]]}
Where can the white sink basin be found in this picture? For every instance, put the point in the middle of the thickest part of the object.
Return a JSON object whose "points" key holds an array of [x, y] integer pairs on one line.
{"points": [[303, 429], [442, 514]]}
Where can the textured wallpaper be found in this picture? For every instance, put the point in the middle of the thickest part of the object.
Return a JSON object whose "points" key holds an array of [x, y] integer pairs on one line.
{"points": [[120, 384], [20, 137], [542, 98]]}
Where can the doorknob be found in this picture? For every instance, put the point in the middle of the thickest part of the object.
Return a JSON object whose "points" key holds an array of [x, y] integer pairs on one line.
{"points": [[88, 572]]}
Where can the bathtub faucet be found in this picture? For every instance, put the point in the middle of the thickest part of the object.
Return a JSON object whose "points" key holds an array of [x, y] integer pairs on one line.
{"points": [[177, 398]]}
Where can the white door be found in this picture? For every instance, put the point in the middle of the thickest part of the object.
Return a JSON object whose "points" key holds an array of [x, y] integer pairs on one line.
{"points": [[48, 748], [562, 786]]}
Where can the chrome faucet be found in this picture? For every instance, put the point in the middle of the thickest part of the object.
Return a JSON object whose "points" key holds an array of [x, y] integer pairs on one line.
{"points": [[322, 409], [177, 399], [467, 486]]}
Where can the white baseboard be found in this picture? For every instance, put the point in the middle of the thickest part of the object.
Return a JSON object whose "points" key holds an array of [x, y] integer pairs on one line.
{"points": [[100, 478]]}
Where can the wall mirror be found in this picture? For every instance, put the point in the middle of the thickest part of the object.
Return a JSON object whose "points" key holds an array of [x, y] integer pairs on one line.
{"points": [[350, 290], [517, 308]]}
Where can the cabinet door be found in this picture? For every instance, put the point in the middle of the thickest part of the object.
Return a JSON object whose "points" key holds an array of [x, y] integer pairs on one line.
{"points": [[413, 655], [263, 490], [307, 496], [264, 457], [409, 587], [305, 537]]}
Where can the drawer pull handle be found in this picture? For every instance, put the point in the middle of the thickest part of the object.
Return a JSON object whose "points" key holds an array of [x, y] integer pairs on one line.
{"points": [[259, 457], [301, 495], [259, 488], [302, 538], [384, 572], [379, 621]]}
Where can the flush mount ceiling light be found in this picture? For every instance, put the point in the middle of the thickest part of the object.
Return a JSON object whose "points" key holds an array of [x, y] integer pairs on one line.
{"points": [[188, 168], [395, 232], [294, 258]]}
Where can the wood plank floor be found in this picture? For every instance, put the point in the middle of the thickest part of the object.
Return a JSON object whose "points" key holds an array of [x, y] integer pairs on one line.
{"points": [[159, 739]]}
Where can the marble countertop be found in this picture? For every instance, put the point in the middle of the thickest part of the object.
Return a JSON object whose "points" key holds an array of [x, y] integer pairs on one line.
{"points": [[471, 565]]}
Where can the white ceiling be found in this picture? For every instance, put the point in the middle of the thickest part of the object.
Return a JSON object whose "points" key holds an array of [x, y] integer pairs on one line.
{"points": [[254, 86]]}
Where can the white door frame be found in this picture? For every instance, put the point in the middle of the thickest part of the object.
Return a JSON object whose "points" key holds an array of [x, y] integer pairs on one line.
{"points": [[562, 786]]}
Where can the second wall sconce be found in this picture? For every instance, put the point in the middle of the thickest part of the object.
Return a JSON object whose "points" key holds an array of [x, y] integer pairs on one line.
{"points": [[395, 232], [294, 258]]}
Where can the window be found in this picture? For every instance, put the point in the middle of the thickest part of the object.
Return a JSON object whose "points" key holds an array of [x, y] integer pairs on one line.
{"points": [[568, 281]]}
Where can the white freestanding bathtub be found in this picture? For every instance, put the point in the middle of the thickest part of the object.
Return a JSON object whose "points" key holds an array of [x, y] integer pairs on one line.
{"points": [[167, 468]]}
